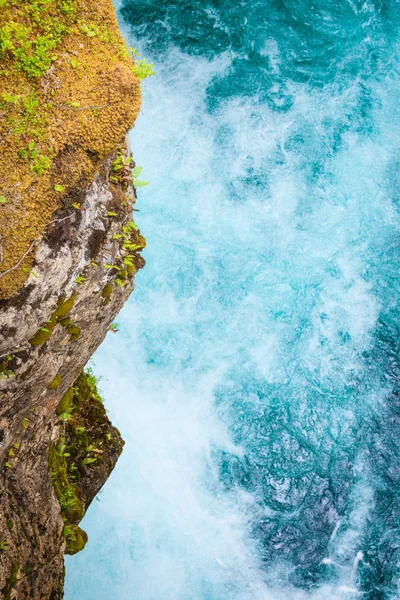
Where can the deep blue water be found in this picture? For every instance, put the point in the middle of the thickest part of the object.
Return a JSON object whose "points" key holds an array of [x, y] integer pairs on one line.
{"points": [[255, 376]]}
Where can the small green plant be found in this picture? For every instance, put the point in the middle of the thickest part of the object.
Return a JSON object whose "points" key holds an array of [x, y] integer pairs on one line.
{"points": [[66, 415], [125, 172], [11, 98], [88, 29], [3, 546], [80, 279], [7, 373], [75, 537], [142, 69], [74, 332], [120, 162], [132, 242], [61, 449], [29, 271], [25, 423], [114, 327], [68, 8], [137, 183], [39, 162], [69, 532], [121, 169], [67, 499], [93, 382], [89, 461], [72, 470], [31, 56], [59, 188], [3, 200], [129, 227], [128, 261]]}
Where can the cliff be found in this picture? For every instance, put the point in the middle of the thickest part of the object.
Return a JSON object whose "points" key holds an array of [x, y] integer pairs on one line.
{"points": [[69, 250]]}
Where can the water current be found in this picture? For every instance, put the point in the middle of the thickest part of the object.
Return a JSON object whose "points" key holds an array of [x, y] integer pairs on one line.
{"points": [[255, 376]]}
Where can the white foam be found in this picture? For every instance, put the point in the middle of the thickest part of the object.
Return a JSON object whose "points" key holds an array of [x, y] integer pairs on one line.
{"points": [[240, 279]]}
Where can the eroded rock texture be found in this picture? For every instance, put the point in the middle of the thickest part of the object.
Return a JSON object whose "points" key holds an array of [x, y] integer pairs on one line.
{"points": [[48, 331]]}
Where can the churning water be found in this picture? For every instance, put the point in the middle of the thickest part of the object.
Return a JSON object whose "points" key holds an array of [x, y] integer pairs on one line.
{"points": [[255, 376]]}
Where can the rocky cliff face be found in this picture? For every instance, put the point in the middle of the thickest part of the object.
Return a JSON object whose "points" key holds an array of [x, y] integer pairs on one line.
{"points": [[69, 250], [82, 275]]}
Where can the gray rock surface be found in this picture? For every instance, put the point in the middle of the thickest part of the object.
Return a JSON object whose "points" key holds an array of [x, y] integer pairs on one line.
{"points": [[79, 243]]}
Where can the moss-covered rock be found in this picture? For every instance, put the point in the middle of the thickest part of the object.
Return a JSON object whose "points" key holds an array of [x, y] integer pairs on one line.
{"points": [[69, 92], [85, 455], [131, 270], [72, 509], [64, 307], [56, 382], [107, 292], [74, 332], [43, 335], [76, 539], [59, 315], [61, 129], [66, 402], [65, 322]]}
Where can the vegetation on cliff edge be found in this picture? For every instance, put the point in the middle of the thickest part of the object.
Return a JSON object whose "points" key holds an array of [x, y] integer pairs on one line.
{"points": [[69, 91], [84, 456]]}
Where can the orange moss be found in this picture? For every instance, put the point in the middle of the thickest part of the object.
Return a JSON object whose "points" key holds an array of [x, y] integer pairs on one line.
{"points": [[58, 126]]}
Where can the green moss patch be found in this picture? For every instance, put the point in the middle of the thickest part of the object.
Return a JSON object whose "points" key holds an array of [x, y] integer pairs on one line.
{"points": [[56, 382], [84, 456], [76, 539], [59, 316], [107, 291], [71, 506], [131, 245], [64, 307], [66, 402], [74, 332], [65, 322], [69, 92], [43, 335]]}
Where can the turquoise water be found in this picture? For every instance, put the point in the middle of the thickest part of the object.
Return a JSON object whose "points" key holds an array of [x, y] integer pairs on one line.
{"points": [[255, 376]]}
